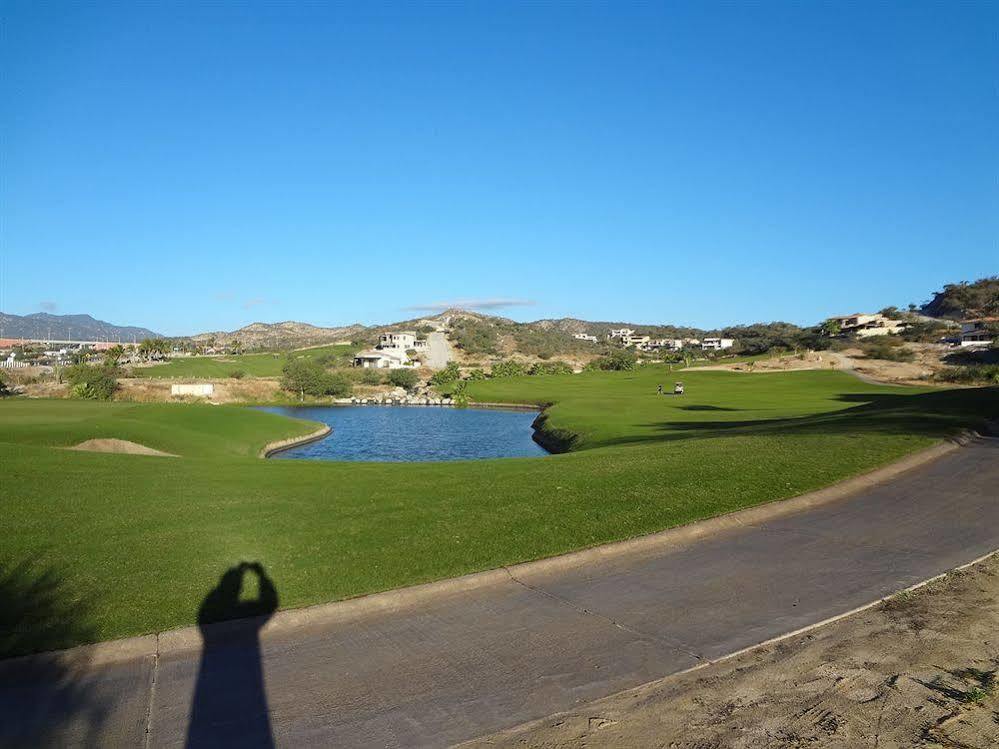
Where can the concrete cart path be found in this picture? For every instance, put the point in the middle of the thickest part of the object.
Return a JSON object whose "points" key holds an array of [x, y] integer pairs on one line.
{"points": [[438, 350], [475, 661]]}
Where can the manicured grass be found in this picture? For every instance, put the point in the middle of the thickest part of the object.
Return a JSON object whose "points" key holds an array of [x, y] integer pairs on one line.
{"points": [[252, 365], [130, 544]]}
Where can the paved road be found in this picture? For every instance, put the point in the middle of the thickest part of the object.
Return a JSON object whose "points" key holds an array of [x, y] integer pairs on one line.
{"points": [[477, 661], [439, 351]]}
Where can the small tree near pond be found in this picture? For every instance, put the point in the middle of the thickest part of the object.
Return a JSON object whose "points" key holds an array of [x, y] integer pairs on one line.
{"points": [[307, 377]]}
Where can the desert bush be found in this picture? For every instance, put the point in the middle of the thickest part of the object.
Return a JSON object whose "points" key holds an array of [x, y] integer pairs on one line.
{"points": [[985, 373], [370, 376], [888, 348], [508, 368], [450, 373], [237, 374], [551, 368], [308, 377], [92, 383], [616, 361], [404, 378], [474, 337]]}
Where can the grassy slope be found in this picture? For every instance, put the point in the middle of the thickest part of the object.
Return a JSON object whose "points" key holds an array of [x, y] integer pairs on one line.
{"points": [[133, 543], [254, 365]]}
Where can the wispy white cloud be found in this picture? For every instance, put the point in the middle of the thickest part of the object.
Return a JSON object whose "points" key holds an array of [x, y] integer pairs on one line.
{"points": [[256, 302], [472, 304], [48, 306]]}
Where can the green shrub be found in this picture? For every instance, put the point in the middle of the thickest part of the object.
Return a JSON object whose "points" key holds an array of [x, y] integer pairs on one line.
{"points": [[476, 374], [474, 337], [987, 373], [237, 374], [371, 376], [508, 368], [617, 361], [450, 373], [551, 368], [4, 387], [307, 377], [888, 348], [92, 383], [404, 378]]}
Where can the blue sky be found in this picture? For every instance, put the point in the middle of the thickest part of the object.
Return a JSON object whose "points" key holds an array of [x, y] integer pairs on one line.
{"points": [[192, 167]]}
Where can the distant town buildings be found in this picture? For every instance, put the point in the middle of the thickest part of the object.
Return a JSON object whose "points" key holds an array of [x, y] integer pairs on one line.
{"points": [[865, 325], [620, 333], [977, 332], [585, 337]]}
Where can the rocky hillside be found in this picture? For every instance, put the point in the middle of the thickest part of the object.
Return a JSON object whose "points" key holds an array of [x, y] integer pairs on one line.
{"points": [[962, 300], [281, 335], [69, 327]]}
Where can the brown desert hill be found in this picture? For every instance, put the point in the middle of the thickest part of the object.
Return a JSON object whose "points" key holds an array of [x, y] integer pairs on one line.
{"points": [[282, 335]]}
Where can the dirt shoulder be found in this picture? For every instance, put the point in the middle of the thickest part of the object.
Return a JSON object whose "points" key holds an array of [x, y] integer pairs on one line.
{"points": [[917, 670]]}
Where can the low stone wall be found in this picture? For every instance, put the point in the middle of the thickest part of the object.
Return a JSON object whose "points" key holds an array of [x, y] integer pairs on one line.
{"points": [[275, 447]]}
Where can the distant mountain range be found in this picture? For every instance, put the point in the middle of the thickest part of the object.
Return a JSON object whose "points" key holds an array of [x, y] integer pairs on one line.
{"points": [[43, 325]]}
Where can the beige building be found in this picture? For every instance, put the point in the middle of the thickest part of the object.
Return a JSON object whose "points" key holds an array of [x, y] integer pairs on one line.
{"points": [[865, 325]]}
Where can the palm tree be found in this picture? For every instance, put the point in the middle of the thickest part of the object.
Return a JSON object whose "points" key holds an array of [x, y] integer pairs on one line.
{"points": [[113, 355]]}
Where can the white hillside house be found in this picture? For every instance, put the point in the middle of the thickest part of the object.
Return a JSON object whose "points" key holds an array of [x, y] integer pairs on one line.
{"points": [[390, 353], [620, 333], [403, 341], [585, 337], [717, 344], [977, 333]]}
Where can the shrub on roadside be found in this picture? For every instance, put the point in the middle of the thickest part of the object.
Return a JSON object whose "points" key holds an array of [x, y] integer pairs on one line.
{"points": [[888, 348], [985, 373], [404, 378], [450, 373], [92, 382]]}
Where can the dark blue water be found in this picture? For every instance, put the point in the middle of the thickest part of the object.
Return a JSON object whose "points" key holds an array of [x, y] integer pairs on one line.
{"points": [[408, 433]]}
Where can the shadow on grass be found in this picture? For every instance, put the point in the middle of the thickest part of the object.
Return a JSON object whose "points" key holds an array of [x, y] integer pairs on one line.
{"points": [[229, 707], [707, 408], [934, 414], [48, 699]]}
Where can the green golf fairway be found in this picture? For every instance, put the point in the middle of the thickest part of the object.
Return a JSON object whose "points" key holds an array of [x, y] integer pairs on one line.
{"points": [[115, 545], [252, 365]]}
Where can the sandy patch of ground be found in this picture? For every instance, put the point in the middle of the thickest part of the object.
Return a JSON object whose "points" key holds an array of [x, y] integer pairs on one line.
{"points": [[919, 670], [121, 447], [229, 390]]}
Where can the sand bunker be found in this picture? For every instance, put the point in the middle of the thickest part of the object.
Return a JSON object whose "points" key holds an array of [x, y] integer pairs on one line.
{"points": [[119, 446]]}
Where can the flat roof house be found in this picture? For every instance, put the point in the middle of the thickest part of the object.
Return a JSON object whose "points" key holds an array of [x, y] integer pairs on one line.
{"points": [[403, 340], [390, 358], [865, 325], [717, 344], [977, 333], [620, 333], [585, 337]]}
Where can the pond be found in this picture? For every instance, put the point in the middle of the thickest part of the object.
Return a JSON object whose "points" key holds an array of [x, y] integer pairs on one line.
{"points": [[411, 433]]}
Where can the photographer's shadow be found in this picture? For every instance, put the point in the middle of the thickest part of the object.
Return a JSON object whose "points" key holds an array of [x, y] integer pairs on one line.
{"points": [[230, 702]]}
